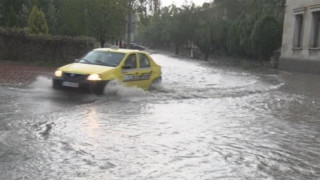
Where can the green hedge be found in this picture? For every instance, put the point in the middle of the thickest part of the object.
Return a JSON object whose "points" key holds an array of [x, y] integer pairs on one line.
{"points": [[19, 45]]}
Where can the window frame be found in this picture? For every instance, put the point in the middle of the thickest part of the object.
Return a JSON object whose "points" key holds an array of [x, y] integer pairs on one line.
{"points": [[136, 61], [298, 34], [140, 59], [315, 30]]}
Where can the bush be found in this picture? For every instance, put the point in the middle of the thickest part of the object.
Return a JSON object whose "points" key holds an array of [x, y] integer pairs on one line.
{"points": [[19, 45]]}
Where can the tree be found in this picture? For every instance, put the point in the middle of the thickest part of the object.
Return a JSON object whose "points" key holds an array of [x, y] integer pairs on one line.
{"points": [[219, 35], [266, 37], [181, 27], [24, 14], [106, 19], [156, 32], [72, 18], [203, 33], [37, 22], [154, 6], [234, 27], [1, 13], [12, 21], [52, 17], [151, 7], [6, 13], [142, 8], [229, 9]]}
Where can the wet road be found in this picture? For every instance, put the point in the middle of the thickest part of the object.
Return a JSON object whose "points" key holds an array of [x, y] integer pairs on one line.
{"points": [[203, 122]]}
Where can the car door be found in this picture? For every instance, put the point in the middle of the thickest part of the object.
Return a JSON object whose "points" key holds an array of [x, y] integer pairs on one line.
{"points": [[145, 71], [130, 71]]}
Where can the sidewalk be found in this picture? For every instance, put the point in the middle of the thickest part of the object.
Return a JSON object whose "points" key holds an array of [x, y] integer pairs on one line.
{"points": [[19, 75]]}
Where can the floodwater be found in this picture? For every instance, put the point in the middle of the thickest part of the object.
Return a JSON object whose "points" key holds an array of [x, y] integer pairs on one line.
{"points": [[203, 122]]}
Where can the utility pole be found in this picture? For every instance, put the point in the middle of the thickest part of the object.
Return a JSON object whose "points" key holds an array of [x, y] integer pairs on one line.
{"points": [[129, 25], [86, 21]]}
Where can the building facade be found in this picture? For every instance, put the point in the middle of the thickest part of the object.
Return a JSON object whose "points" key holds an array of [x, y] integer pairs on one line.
{"points": [[300, 50]]}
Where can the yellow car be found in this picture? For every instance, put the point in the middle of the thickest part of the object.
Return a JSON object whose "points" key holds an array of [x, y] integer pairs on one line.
{"points": [[100, 66]]}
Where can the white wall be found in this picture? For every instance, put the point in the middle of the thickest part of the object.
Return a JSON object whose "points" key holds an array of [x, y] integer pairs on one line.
{"points": [[294, 7]]}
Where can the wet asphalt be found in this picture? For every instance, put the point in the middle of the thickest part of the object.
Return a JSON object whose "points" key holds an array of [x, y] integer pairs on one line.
{"points": [[204, 121]]}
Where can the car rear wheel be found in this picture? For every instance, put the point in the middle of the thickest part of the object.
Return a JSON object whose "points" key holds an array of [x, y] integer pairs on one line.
{"points": [[155, 83]]}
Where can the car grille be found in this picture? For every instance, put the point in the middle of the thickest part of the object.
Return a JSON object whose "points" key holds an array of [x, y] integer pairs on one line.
{"points": [[74, 77]]}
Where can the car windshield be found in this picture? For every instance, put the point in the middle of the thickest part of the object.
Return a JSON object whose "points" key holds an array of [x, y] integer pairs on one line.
{"points": [[105, 58]]}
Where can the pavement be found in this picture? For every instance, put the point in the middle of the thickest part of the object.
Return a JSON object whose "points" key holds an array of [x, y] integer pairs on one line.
{"points": [[20, 75]]}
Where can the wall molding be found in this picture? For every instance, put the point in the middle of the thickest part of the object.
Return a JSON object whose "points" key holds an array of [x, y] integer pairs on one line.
{"points": [[300, 10], [316, 6]]}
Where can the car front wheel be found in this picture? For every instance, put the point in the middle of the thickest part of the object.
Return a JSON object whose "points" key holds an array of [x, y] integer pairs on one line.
{"points": [[98, 88], [56, 84]]}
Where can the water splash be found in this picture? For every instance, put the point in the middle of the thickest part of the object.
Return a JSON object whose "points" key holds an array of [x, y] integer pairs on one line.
{"points": [[41, 84], [118, 89]]}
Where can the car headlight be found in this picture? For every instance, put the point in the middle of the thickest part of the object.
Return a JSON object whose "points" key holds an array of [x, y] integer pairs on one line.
{"points": [[58, 73], [94, 77]]}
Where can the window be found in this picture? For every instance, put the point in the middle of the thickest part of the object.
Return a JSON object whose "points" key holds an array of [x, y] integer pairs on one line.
{"points": [[104, 58], [144, 61], [315, 37], [298, 31], [131, 62]]}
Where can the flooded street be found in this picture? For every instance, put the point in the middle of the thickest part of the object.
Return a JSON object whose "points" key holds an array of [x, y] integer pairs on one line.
{"points": [[203, 122]]}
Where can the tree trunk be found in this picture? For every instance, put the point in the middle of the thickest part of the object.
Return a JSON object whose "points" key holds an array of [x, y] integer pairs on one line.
{"points": [[177, 49], [129, 25], [102, 41], [206, 56]]}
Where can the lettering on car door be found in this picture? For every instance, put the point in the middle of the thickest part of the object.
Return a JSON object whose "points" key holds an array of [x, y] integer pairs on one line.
{"points": [[132, 73]]}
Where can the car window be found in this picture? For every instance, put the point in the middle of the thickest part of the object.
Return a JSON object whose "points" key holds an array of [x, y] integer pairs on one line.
{"points": [[131, 62], [144, 61], [105, 58]]}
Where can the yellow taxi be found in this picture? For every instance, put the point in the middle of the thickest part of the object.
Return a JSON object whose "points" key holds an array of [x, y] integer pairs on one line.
{"points": [[100, 66]]}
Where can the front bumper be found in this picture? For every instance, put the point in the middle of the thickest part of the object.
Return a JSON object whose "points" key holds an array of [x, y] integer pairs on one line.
{"points": [[76, 81], [60, 83]]}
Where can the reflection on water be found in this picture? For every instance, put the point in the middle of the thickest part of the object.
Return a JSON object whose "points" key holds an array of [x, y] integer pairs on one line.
{"points": [[92, 124], [304, 84], [202, 122]]}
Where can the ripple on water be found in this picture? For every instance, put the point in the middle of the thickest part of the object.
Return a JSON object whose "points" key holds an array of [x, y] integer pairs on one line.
{"points": [[200, 123]]}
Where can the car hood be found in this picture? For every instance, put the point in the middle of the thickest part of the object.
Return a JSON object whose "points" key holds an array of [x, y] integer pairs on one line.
{"points": [[80, 68]]}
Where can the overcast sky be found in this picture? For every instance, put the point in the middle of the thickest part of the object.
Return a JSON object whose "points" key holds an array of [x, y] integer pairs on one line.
{"points": [[182, 2]]}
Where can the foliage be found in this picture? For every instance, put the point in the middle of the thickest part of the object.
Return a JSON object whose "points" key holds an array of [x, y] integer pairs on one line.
{"points": [[265, 37], [7, 7], [229, 9], [72, 19], [203, 33], [52, 17], [37, 22], [107, 19], [232, 27], [23, 16], [180, 29], [102, 19], [156, 32], [19, 45], [12, 21]]}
